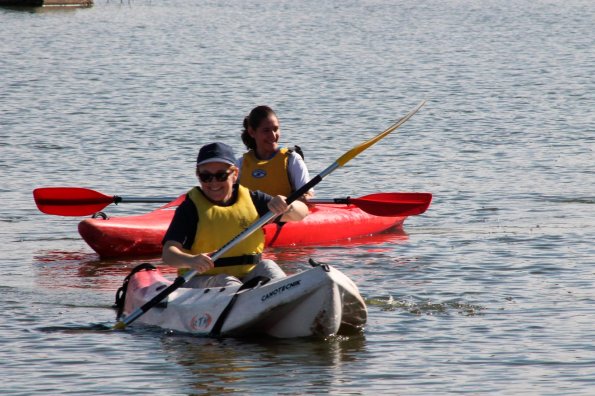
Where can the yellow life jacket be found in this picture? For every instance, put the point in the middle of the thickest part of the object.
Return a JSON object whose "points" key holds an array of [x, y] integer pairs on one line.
{"points": [[217, 225], [269, 176]]}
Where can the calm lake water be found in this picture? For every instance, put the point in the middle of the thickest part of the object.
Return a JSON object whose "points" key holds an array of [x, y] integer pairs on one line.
{"points": [[489, 292]]}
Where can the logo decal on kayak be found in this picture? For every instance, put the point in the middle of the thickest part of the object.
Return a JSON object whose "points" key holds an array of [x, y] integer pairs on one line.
{"points": [[201, 322], [259, 173], [280, 290]]}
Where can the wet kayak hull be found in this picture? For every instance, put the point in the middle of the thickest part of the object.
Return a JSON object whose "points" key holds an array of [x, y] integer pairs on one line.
{"points": [[141, 235], [321, 302]]}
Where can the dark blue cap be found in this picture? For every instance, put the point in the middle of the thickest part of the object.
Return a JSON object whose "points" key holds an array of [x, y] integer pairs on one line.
{"points": [[216, 152]]}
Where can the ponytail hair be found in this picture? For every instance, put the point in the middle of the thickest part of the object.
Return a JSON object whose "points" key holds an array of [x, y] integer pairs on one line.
{"points": [[253, 120]]}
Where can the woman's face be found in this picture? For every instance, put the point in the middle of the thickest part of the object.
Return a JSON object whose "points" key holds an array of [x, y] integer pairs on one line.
{"points": [[267, 136], [210, 175]]}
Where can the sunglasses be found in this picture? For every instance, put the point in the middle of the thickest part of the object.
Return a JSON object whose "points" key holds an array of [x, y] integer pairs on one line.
{"points": [[207, 177]]}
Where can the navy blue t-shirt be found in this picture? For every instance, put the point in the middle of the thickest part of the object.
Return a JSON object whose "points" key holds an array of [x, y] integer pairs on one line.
{"points": [[185, 221]]}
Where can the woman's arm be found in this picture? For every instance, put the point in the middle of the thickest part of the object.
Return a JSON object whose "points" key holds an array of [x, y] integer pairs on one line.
{"points": [[296, 211], [175, 255], [298, 174]]}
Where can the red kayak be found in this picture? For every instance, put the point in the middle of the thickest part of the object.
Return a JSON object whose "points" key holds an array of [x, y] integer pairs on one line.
{"points": [[141, 235]]}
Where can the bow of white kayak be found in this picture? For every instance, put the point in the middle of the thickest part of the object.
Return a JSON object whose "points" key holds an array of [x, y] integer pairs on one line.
{"points": [[321, 301]]}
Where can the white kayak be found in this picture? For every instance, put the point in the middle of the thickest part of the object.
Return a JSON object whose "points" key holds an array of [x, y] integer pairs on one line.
{"points": [[321, 302]]}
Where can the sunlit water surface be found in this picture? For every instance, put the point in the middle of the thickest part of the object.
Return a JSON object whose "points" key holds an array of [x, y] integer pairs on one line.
{"points": [[489, 292]]}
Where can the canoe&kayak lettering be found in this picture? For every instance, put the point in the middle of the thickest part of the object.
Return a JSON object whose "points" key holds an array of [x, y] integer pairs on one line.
{"points": [[280, 289]]}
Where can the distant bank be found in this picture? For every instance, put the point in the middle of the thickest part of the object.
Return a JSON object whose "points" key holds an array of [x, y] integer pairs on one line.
{"points": [[46, 3]]}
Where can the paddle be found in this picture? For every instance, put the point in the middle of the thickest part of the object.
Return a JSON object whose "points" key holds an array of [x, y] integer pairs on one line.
{"points": [[79, 201], [385, 204], [180, 280]]}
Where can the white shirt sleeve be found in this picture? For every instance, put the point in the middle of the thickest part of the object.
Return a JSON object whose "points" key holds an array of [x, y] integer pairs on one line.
{"points": [[298, 171]]}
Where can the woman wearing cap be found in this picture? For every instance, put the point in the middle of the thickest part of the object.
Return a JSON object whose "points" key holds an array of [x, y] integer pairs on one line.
{"points": [[266, 166], [216, 212]]}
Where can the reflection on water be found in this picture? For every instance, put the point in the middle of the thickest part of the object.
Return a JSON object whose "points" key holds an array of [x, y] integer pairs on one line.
{"points": [[63, 269], [234, 363], [291, 257], [79, 269]]}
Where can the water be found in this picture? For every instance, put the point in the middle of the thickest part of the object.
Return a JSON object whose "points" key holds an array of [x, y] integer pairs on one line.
{"points": [[489, 292]]}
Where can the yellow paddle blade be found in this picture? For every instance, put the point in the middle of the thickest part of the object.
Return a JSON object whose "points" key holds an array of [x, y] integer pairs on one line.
{"points": [[348, 156]]}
